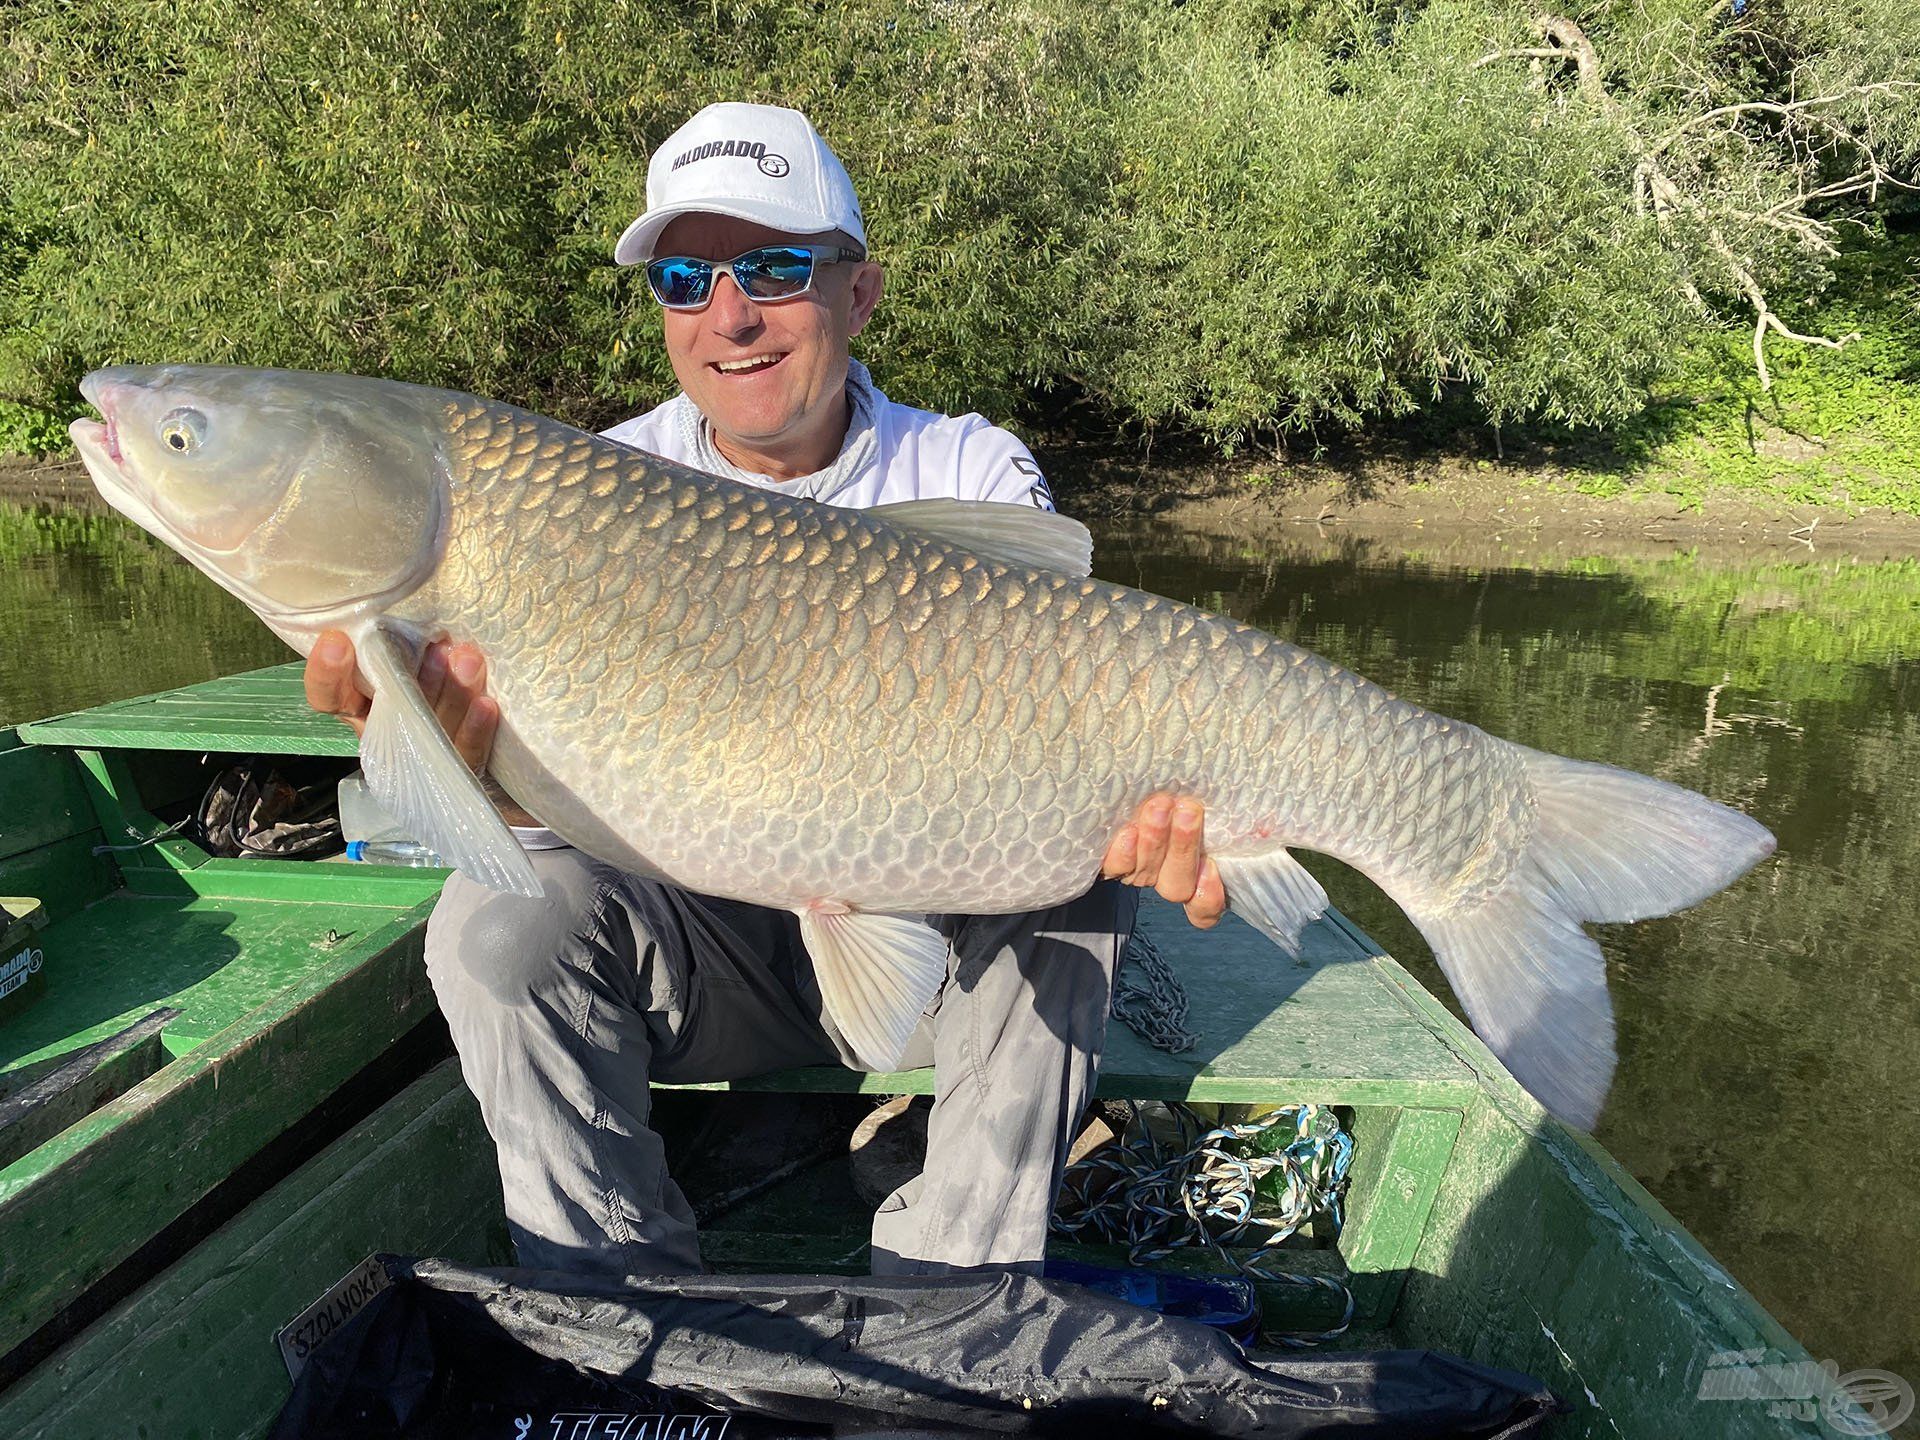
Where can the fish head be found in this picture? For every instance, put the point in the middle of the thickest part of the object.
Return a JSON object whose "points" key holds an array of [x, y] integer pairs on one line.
{"points": [[305, 495]]}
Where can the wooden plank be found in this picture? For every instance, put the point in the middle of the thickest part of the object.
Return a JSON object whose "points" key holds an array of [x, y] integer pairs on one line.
{"points": [[1329, 1030], [158, 731], [95, 1193], [345, 882], [262, 712], [45, 1103], [1389, 1216], [327, 882], [191, 1355], [41, 798], [66, 876]]}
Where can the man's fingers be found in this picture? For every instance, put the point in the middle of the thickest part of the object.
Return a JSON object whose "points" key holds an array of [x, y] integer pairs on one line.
{"points": [[329, 678], [432, 678], [474, 739], [467, 668], [1209, 900], [449, 699], [1121, 854], [1152, 822], [1179, 873]]}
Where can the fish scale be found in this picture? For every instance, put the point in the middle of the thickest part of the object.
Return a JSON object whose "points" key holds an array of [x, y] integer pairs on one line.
{"points": [[867, 716], [1164, 714]]}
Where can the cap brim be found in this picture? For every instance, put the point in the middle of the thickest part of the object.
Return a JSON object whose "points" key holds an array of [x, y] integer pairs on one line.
{"points": [[635, 246]]}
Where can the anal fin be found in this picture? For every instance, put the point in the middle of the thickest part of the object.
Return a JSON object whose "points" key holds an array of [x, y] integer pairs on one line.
{"points": [[877, 973], [1274, 893]]}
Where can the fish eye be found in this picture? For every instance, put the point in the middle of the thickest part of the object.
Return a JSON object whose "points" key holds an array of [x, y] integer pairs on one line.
{"points": [[183, 431]]}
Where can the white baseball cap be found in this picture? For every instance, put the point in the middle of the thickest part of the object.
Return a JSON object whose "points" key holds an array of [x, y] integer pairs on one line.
{"points": [[754, 162]]}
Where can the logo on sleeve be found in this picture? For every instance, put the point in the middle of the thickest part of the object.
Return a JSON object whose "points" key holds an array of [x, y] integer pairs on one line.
{"points": [[1037, 491]]}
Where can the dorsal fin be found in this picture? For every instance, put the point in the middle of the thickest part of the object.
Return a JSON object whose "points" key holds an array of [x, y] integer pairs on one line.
{"points": [[998, 530]]}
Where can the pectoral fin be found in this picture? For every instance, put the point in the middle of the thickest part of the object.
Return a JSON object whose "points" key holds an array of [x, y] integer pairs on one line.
{"points": [[1273, 893], [878, 974], [413, 770], [998, 530]]}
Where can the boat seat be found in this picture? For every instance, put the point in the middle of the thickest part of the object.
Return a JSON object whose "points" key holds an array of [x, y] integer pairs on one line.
{"points": [[1335, 1028], [261, 712]]}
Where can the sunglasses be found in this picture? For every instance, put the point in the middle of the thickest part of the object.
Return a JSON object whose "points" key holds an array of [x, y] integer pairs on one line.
{"points": [[773, 272]]}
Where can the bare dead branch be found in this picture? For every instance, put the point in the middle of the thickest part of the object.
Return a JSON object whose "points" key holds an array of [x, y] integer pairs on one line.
{"points": [[1781, 107], [1656, 192], [1537, 52]]}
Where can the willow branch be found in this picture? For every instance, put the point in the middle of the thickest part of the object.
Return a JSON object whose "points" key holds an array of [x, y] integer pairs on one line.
{"points": [[1656, 192]]}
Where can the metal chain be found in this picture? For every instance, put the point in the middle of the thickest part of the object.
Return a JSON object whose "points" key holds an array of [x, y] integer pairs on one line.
{"points": [[1203, 1188], [1151, 999]]}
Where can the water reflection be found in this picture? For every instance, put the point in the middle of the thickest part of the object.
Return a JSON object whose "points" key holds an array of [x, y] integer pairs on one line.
{"points": [[92, 609], [1766, 1090]]}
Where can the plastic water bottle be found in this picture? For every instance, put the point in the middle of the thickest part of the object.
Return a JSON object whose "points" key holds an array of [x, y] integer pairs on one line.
{"points": [[374, 835], [392, 852]]}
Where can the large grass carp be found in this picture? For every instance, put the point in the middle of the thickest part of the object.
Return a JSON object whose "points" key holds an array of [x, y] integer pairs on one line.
{"points": [[867, 716]]}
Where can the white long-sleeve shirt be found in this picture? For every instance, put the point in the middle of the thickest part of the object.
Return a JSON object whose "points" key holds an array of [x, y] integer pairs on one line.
{"points": [[892, 452]]}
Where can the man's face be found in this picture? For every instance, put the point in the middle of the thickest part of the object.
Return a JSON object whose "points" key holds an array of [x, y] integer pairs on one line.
{"points": [[769, 376]]}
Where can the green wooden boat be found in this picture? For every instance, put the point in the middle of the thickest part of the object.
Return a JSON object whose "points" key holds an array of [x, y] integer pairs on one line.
{"points": [[221, 1088]]}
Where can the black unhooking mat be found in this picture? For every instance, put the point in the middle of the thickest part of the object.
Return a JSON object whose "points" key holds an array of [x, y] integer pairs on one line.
{"points": [[529, 1355]]}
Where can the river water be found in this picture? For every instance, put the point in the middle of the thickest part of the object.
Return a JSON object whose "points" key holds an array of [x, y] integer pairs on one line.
{"points": [[1766, 1092]]}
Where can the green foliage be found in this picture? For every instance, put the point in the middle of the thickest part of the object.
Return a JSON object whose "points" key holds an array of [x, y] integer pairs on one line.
{"points": [[1235, 215], [1336, 222], [28, 430], [1838, 426]]}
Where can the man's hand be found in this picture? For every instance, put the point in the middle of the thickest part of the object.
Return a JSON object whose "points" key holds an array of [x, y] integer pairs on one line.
{"points": [[452, 677], [1163, 846]]}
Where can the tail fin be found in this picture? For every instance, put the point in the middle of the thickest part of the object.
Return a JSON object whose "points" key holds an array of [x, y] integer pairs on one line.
{"points": [[1607, 845]]}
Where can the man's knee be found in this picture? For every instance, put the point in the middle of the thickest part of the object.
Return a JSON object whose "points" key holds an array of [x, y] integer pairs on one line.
{"points": [[489, 949]]}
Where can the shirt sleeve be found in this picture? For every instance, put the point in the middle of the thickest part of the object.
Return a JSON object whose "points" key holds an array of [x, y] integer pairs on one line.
{"points": [[994, 465]]}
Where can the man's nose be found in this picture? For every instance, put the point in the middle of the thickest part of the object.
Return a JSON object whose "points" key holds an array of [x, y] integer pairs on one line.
{"points": [[731, 312]]}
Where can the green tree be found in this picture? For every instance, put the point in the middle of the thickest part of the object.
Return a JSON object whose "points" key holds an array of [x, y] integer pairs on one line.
{"points": [[1239, 215]]}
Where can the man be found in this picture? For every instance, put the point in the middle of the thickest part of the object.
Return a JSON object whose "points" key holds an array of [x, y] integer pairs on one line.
{"points": [[562, 1008]]}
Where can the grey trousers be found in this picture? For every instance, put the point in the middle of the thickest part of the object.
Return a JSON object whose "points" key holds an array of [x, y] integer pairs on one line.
{"points": [[563, 1008]]}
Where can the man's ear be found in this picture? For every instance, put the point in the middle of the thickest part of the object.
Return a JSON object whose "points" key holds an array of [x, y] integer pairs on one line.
{"points": [[868, 282]]}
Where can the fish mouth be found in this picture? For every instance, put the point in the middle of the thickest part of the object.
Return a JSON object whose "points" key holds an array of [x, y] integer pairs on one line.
{"points": [[98, 442], [99, 448]]}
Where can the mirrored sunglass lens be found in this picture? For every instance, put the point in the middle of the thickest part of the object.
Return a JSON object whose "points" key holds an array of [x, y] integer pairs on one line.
{"points": [[774, 273], [680, 282]]}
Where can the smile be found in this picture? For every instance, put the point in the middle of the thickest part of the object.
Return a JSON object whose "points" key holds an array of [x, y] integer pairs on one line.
{"points": [[752, 365]]}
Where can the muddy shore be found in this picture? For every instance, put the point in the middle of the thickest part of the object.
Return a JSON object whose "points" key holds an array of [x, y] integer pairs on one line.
{"points": [[1471, 512], [1450, 511]]}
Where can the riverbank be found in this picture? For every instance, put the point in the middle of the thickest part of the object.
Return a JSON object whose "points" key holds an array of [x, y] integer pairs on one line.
{"points": [[1449, 509], [1467, 511]]}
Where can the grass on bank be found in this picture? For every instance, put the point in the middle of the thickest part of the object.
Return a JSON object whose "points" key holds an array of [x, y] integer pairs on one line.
{"points": [[1838, 427]]}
